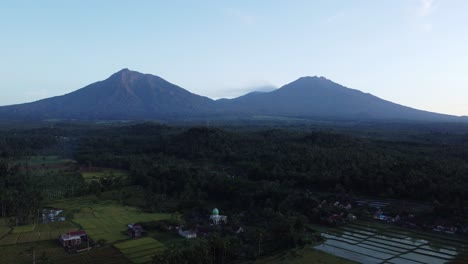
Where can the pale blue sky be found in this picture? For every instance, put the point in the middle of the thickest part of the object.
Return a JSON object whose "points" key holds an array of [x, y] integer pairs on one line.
{"points": [[412, 52]]}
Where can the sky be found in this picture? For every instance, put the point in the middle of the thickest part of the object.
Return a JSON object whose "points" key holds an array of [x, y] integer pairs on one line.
{"points": [[412, 52]]}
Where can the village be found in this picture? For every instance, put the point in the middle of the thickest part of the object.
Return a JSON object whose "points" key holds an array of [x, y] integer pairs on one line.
{"points": [[334, 212], [79, 241]]}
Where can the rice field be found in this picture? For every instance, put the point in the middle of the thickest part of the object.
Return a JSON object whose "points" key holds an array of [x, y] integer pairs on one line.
{"points": [[371, 243], [4, 230], [36, 232], [54, 253], [96, 175], [106, 220], [140, 250]]}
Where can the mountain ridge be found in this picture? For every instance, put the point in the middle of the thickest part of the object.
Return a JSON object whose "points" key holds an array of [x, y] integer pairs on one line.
{"points": [[129, 94]]}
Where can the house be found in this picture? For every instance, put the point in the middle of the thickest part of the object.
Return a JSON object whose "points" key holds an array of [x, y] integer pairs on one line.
{"points": [[51, 215], [73, 239], [187, 233], [135, 230]]}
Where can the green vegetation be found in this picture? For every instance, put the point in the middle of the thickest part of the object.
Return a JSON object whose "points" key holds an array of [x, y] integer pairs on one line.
{"points": [[140, 250]]}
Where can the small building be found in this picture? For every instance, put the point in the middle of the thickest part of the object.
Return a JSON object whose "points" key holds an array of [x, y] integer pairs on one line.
{"points": [[51, 215], [187, 233], [73, 239], [135, 230]]}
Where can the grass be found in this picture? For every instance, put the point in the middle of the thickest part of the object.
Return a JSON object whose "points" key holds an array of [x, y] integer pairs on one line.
{"points": [[4, 229], [24, 228], [303, 256], [140, 250]]}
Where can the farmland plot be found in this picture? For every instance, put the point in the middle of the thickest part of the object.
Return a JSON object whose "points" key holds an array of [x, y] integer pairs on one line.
{"points": [[372, 244], [37, 232], [140, 250], [108, 220]]}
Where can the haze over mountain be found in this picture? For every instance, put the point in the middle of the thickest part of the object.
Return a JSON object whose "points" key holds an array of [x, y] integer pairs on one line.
{"points": [[133, 95], [319, 97]]}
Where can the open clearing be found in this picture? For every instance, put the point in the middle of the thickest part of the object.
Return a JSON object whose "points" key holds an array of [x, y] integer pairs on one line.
{"points": [[372, 243]]}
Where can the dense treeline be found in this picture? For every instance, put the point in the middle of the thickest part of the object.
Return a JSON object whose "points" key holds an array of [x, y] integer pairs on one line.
{"points": [[238, 165], [22, 188], [325, 161], [19, 199]]}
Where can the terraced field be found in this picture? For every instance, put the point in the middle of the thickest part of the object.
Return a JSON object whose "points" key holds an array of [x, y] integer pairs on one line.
{"points": [[140, 250], [372, 243]]}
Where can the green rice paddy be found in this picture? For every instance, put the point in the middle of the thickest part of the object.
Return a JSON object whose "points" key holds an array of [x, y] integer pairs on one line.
{"points": [[54, 253], [108, 221], [140, 250], [36, 232]]}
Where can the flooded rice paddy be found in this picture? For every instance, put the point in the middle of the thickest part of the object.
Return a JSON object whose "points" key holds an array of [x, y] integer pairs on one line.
{"points": [[372, 243]]}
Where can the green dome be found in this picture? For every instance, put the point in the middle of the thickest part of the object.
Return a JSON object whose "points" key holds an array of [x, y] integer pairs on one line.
{"points": [[215, 211]]}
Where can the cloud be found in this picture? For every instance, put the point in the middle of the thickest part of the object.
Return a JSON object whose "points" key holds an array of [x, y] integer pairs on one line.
{"points": [[236, 92], [426, 7]]}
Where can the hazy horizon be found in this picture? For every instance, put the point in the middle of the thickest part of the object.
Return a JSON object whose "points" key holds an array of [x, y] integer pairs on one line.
{"points": [[411, 52]]}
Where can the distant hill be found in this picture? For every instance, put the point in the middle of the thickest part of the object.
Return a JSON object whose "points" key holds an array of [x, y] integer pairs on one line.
{"points": [[321, 98], [130, 95]]}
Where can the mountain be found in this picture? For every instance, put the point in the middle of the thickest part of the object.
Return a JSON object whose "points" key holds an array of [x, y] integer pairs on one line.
{"points": [[124, 95], [321, 98], [128, 95]]}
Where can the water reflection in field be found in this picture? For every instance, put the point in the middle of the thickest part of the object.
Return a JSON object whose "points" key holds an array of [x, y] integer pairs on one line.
{"points": [[369, 243]]}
